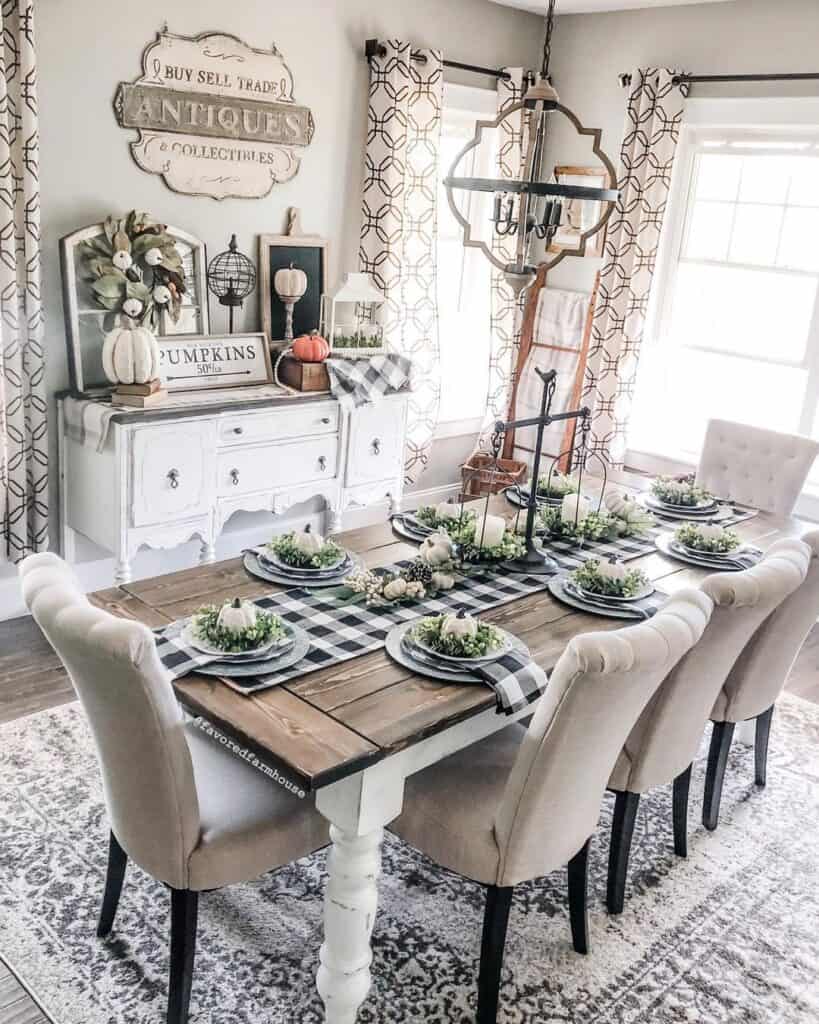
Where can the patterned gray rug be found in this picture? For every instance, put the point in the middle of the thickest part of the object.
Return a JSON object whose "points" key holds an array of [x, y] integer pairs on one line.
{"points": [[730, 935]]}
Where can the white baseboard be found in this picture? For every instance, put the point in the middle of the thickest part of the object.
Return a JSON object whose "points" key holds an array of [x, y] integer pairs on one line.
{"points": [[97, 573]]}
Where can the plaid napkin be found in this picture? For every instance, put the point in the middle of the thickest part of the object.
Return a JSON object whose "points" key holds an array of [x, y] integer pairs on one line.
{"points": [[356, 382], [516, 680], [178, 657]]}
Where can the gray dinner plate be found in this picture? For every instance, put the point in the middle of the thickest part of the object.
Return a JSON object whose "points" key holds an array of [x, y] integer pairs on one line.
{"points": [[701, 508], [244, 670], [507, 643], [402, 529], [272, 561], [558, 589], [605, 599], [256, 568], [666, 543], [399, 653]]}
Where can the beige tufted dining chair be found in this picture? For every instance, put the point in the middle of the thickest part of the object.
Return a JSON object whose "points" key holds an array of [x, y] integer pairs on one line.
{"points": [[663, 744], [182, 807], [524, 802], [757, 679], [757, 467]]}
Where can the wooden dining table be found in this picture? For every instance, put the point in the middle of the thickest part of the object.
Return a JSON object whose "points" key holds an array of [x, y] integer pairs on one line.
{"points": [[348, 735]]}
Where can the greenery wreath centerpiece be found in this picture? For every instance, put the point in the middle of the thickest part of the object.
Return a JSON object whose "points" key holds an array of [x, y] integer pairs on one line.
{"points": [[674, 490], [707, 537], [444, 515], [486, 538], [458, 636], [134, 268], [560, 524], [237, 626], [609, 579], [556, 485]]}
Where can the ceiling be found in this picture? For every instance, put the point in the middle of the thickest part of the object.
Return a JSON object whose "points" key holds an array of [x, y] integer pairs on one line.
{"points": [[590, 6]]}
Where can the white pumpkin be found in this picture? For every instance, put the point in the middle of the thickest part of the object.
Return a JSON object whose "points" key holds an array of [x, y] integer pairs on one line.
{"points": [[395, 589], [709, 531], [130, 355], [436, 549], [446, 510], [308, 542], [489, 531], [612, 569], [459, 625], [575, 506], [153, 257], [162, 295], [236, 616], [443, 580], [619, 504], [132, 308], [415, 588], [290, 283], [122, 259]]}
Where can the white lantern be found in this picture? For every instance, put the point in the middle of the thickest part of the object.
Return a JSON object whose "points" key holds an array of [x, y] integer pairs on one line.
{"points": [[350, 318]]}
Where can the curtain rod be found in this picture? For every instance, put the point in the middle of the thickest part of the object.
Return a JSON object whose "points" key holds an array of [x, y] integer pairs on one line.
{"points": [[373, 48], [625, 80]]}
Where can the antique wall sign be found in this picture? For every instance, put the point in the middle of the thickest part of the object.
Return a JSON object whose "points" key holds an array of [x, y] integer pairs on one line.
{"points": [[215, 117], [188, 363]]}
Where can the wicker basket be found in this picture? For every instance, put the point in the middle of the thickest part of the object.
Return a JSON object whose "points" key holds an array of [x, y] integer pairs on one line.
{"points": [[482, 474]]}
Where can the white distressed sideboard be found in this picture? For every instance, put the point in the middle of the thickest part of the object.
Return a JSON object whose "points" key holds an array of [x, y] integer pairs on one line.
{"points": [[166, 476]]}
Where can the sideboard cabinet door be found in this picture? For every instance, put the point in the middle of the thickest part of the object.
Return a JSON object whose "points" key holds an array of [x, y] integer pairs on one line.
{"points": [[376, 442], [172, 471]]}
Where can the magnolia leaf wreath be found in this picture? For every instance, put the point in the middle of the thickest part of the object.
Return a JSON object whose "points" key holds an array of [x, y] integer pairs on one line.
{"points": [[134, 269]]}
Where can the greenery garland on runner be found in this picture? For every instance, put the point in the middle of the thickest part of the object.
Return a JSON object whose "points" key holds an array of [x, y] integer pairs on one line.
{"points": [[134, 268]]}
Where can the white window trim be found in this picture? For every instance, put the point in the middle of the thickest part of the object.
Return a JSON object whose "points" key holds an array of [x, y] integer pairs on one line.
{"points": [[780, 114]]}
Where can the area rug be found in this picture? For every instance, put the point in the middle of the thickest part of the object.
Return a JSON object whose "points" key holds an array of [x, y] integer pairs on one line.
{"points": [[729, 935]]}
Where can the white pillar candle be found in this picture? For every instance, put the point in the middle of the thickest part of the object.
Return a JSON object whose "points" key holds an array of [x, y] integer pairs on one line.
{"points": [[489, 531], [575, 506]]}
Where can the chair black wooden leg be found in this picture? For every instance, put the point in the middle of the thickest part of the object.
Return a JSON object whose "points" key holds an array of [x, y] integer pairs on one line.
{"points": [[622, 830], [578, 902], [117, 863], [495, 921], [184, 913], [763, 734], [682, 785], [721, 737]]}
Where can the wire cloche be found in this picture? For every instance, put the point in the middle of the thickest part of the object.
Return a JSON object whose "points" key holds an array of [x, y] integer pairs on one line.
{"points": [[231, 277]]}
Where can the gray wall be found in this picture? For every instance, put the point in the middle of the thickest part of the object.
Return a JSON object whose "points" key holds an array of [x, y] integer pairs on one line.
{"points": [[744, 36]]}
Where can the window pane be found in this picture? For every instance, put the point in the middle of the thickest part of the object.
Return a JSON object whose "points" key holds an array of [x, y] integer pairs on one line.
{"points": [[805, 182], [709, 231], [799, 247], [755, 237], [765, 179], [752, 312], [718, 176]]}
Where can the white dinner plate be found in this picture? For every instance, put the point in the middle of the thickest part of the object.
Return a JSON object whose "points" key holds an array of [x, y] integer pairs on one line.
{"points": [[590, 595], [704, 507], [188, 636], [507, 641], [279, 565]]}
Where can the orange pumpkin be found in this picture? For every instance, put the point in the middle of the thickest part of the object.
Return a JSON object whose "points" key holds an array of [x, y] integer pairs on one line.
{"points": [[311, 348]]}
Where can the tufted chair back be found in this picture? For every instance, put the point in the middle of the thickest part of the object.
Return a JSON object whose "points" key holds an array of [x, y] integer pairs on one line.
{"points": [[667, 736], [134, 717], [755, 466], [596, 691], [761, 671]]}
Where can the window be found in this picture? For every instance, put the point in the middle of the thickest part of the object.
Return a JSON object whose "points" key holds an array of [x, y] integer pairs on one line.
{"points": [[464, 275], [734, 328]]}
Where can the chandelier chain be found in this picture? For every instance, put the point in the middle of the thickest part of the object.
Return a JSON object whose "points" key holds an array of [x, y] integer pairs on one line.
{"points": [[547, 42]]}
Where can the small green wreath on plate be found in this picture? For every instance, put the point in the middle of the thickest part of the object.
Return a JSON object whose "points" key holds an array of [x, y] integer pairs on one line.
{"points": [[446, 515], [706, 537], [306, 550], [234, 629], [458, 636], [683, 492], [594, 526], [591, 577]]}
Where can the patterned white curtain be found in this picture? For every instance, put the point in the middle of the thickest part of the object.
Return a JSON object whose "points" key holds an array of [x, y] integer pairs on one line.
{"points": [[23, 412], [399, 224], [505, 308], [653, 116]]}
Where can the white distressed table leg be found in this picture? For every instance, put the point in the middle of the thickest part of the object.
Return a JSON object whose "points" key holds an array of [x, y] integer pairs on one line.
{"points": [[357, 808]]}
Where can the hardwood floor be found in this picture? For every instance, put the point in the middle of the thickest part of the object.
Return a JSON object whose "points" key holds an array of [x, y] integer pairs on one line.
{"points": [[16, 1005]]}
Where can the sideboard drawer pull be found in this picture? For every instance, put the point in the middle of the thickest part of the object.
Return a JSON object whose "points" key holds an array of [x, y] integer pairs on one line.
{"points": [[376, 446], [326, 419], [238, 430], [322, 462], [173, 476], [234, 476]]}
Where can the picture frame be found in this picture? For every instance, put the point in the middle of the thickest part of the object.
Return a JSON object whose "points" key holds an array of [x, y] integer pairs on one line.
{"points": [[207, 361], [581, 214], [306, 252], [84, 322]]}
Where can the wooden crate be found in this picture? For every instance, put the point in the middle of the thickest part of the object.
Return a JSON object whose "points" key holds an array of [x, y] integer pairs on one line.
{"points": [[481, 475], [303, 376]]}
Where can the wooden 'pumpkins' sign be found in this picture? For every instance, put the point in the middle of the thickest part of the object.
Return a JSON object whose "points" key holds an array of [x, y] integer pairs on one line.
{"points": [[215, 117], [213, 361]]}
